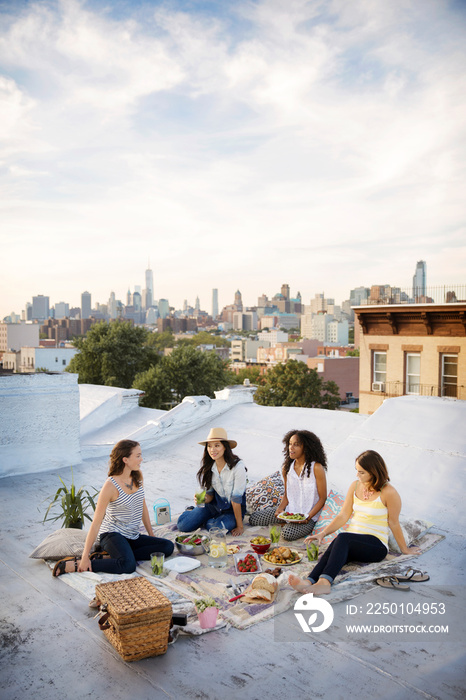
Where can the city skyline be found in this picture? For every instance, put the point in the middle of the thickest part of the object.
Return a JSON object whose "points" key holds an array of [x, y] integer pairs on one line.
{"points": [[86, 297], [233, 145]]}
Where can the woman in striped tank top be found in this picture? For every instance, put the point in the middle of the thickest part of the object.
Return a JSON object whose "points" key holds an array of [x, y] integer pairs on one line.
{"points": [[121, 507], [373, 505]]}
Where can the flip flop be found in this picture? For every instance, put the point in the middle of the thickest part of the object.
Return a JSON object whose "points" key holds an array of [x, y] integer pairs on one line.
{"points": [[392, 582], [413, 575], [60, 566]]}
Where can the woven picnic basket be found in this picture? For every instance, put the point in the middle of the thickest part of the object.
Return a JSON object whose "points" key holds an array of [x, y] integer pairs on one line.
{"points": [[137, 617]]}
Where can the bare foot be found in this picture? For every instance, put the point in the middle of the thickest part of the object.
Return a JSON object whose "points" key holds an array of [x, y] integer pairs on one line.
{"points": [[299, 584], [322, 587]]}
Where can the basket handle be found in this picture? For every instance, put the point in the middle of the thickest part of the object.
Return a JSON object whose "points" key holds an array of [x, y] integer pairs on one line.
{"points": [[103, 624]]}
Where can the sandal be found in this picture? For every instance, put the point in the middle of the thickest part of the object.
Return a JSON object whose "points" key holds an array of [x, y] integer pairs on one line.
{"points": [[60, 566], [95, 603], [101, 554], [392, 582], [413, 575]]}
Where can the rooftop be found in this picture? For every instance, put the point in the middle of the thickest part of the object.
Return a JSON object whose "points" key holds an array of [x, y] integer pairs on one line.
{"points": [[52, 647]]}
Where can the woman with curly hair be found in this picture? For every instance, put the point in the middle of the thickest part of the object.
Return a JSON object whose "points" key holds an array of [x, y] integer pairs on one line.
{"points": [[223, 476], [121, 507], [305, 482]]}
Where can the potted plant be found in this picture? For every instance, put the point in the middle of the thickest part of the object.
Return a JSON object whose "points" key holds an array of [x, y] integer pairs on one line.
{"points": [[207, 612], [72, 504]]}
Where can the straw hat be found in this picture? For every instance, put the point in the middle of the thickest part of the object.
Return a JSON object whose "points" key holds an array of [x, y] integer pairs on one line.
{"points": [[218, 434]]}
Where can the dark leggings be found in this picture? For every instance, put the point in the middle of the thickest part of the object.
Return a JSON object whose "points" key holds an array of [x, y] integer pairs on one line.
{"points": [[347, 546], [126, 553]]}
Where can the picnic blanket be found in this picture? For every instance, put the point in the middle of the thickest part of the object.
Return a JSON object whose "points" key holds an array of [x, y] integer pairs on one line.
{"points": [[353, 580], [182, 589]]}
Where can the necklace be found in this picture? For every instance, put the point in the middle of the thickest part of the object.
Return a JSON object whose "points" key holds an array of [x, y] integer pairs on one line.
{"points": [[129, 486], [367, 492]]}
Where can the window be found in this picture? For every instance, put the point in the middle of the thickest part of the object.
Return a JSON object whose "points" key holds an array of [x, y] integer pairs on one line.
{"points": [[449, 375], [63, 362], [413, 372], [380, 371]]}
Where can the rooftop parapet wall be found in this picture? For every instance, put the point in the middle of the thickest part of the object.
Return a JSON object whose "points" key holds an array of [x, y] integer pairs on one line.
{"points": [[39, 426], [191, 413]]}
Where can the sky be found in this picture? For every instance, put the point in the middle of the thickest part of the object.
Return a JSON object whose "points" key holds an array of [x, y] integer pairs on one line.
{"points": [[234, 145]]}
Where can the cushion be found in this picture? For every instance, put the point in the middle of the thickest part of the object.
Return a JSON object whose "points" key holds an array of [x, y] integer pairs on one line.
{"points": [[265, 493], [331, 508], [412, 529], [66, 542]]}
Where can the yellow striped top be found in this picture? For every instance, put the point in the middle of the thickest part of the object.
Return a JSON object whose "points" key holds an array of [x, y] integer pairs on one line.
{"points": [[370, 518]]}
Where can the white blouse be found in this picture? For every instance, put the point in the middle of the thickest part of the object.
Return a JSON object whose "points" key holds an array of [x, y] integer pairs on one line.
{"points": [[302, 492]]}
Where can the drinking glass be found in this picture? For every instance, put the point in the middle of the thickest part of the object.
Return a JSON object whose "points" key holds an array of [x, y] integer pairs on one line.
{"points": [[157, 560]]}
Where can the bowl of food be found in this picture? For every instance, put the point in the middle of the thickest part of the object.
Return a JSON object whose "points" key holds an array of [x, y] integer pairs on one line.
{"points": [[261, 545], [190, 544]]}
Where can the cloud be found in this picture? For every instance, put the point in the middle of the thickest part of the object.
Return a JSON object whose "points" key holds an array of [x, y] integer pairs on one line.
{"points": [[257, 130]]}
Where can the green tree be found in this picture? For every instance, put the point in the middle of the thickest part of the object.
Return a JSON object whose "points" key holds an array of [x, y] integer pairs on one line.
{"points": [[251, 373], [185, 372], [112, 354], [206, 338], [155, 384], [353, 353], [160, 341], [295, 384]]}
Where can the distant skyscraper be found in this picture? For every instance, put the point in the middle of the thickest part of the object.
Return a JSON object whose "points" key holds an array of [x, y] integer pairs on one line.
{"points": [[112, 306], [128, 297], [137, 301], [149, 290], [285, 291], [197, 305], [214, 303], [164, 308], [40, 308], [238, 301], [419, 280], [62, 310], [85, 305]]}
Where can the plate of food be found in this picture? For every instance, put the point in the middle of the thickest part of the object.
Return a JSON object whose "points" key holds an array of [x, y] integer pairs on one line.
{"points": [[292, 517], [283, 556], [248, 563]]}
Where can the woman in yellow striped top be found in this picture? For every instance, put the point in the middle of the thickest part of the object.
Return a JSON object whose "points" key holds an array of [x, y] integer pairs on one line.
{"points": [[374, 505]]}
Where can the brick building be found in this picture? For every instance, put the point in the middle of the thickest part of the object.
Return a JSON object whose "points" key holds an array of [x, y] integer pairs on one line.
{"points": [[410, 349], [342, 370]]}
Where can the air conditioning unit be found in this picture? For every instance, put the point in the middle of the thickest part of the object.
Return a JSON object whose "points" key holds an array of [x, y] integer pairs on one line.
{"points": [[378, 386]]}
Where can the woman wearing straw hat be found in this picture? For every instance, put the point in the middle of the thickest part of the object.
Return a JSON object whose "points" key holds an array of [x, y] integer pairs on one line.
{"points": [[223, 476]]}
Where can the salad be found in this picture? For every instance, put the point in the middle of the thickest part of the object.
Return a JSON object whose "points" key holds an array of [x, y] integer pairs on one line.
{"points": [[191, 539], [292, 516]]}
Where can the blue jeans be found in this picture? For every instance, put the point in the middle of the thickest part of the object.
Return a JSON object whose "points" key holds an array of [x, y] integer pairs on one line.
{"points": [[126, 553], [207, 517], [347, 546]]}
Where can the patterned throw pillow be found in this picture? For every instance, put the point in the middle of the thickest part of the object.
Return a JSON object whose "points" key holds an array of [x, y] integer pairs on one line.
{"points": [[265, 493], [331, 508], [66, 542], [412, 531]]}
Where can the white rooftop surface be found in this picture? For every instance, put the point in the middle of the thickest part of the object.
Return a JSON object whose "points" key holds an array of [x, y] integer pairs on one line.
{"points": [[52, 647]]}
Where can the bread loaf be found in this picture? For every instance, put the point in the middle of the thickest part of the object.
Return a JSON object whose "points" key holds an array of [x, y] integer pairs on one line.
{"points": [[265, 582], [258, 595]]}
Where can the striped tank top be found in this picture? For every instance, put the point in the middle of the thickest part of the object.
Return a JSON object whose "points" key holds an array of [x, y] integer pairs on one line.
{"points": [[369, 518], [125, 514]]}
